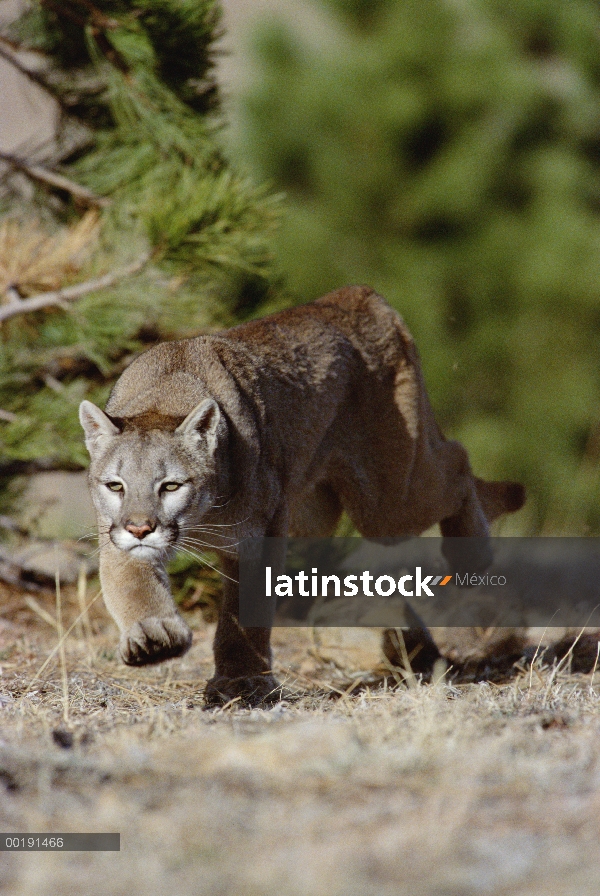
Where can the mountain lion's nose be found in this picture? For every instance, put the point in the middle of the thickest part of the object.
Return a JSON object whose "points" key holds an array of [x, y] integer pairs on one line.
{"points": [[139, 531]]}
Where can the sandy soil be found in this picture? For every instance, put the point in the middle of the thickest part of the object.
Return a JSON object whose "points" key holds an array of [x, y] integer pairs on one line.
{"points": [[356, 787]]}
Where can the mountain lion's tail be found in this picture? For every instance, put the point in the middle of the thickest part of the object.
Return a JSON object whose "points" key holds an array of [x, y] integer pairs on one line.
{"points": [[497, 498]]}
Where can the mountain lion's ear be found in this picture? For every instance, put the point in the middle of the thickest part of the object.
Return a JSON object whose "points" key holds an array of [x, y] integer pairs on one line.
{"points": [[95, 424], [202, 423]]}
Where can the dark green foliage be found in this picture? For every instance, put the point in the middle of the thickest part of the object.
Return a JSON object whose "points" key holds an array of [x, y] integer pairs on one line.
{"points": [[448, 154], [174, 39], [182, 37], [138, 76]]}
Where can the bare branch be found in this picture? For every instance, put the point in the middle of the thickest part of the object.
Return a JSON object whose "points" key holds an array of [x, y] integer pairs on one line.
{"points": [[7, 416], [70, 293], [13, 295], [6, 522], [58, 181], [10, 56]]}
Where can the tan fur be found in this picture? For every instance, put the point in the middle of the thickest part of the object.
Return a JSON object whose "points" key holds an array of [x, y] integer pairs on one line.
{"points": [[276, 426]]}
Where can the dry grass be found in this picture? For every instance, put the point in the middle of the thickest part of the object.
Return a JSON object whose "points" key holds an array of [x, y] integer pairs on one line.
{"points": [[33, 260], [354, 788]]}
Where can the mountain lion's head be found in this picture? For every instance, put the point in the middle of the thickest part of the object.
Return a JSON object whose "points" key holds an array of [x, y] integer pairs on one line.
{"points": [[151, 479]]}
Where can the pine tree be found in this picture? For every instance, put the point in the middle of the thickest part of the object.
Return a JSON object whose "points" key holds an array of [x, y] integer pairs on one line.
{"points": [[145, 206], [448, 154]]}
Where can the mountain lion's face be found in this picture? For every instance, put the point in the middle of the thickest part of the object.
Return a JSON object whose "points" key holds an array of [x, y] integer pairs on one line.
{"points": [[150, 486]]}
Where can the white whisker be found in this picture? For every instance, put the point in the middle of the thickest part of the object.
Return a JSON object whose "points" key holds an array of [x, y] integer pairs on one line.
{"points": [[224, 525], [206, 544], [218, 506], [202, 560], [225, 542]]}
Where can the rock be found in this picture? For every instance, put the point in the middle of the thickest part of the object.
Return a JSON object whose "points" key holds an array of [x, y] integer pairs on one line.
{"points": [[350, 649], [37, 562]]}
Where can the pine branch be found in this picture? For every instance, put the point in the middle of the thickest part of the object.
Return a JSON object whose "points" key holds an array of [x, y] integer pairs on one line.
{"points": [[58, 181], [98, 18], [99, 25], [59, 297], [97, 15]]}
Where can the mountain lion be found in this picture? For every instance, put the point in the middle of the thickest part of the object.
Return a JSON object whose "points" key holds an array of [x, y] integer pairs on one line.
{"points": [[271, 428]]}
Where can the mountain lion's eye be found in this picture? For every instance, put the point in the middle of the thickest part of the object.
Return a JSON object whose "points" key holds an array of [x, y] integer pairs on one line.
{"points": [[171, 486], [115, 486]]}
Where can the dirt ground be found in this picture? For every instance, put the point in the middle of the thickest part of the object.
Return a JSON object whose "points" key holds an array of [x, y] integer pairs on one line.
{"points": [[358, 785]]}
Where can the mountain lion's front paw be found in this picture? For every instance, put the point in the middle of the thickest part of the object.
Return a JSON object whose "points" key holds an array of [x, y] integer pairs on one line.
{"points": [[154, 639]]}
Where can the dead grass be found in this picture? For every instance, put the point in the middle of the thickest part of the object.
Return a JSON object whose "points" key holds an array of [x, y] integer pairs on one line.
{"points": [[33, 260], [356, 787]]}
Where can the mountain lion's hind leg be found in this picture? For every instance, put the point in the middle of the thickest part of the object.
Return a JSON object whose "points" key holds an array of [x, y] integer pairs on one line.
{"points": [[138, 597], [466, 519]]}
